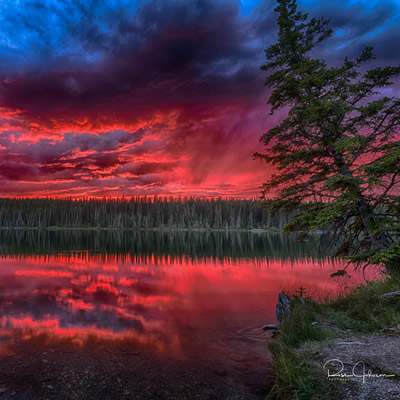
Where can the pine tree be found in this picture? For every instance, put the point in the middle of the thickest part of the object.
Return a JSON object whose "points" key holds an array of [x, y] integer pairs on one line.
{"points": [[337, 152]]}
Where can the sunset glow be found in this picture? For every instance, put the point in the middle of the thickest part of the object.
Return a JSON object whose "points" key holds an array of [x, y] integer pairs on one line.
{"points": [[132, 98], [142, 299]]}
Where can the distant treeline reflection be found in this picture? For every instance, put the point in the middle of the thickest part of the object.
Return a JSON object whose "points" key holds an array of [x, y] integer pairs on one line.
{"points": [[221, 245]]}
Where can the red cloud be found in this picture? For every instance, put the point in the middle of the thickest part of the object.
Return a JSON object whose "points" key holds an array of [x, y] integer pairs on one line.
{"points": [[176, 109]]}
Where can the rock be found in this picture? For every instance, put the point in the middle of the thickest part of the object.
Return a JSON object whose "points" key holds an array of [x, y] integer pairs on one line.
{"points": [[13, 393], [3, 389], [391, 294], [388, 329], [271, 327], [351, 343], [282, 309]]}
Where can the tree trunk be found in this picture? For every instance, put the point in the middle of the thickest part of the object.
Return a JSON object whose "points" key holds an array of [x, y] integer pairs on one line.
{"points": [[382, 240]]}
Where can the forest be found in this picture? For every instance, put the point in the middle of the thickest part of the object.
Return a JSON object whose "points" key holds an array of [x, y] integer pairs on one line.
{"points": [[139, 213]]}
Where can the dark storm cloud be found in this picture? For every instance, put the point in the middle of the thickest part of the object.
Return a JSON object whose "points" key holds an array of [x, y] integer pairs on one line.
{"points": [[161, 56], [169, 55], [359, 24], [50, 151], [63, 159], [144, 168]]}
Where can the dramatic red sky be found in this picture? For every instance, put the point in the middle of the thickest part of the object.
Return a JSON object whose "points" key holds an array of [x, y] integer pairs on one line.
{"points": [[112, 98]]}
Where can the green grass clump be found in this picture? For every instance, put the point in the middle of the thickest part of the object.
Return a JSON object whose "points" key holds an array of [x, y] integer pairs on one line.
{"points": [[297, 376], [299, 328], [364, 309]]}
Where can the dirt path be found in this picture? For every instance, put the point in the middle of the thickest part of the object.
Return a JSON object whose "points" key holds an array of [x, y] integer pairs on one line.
{"points": [[371, 365]]}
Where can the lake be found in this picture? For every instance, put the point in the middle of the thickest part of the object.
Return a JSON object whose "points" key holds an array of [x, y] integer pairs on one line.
{"points": [[178, 313]]}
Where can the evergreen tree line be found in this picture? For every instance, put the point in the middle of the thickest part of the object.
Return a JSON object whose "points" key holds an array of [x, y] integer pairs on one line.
{"points": [[138, 213]]}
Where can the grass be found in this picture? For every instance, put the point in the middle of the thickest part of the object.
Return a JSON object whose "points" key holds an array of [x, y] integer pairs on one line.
{"points": [[362, 310], [297, 376], [299, 328]]}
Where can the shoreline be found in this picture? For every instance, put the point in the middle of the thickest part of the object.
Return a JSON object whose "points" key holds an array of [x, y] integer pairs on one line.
{"points": [[50, 368], [342, 348]]}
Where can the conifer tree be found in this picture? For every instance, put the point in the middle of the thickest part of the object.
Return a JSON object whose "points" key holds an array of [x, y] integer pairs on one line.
{"points": [[337, 152]]}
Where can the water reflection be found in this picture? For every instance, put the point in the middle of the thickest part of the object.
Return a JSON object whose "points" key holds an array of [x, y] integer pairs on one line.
{"points": [[184, 295], [142, 297], [222, 245]]}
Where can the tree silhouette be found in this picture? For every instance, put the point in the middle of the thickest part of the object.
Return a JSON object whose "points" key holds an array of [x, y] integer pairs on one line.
{"points": [[337, 152]]}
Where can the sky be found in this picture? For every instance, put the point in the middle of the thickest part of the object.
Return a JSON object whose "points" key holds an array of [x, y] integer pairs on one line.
{"points": [[120, 98]]}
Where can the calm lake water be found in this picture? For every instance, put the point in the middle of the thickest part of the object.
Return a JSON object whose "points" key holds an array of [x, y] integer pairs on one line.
{"points": [[181, 295]]}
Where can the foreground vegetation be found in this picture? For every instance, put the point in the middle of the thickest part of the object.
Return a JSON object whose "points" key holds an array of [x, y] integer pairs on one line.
{"points": [[138, 213], [361, 311]]}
